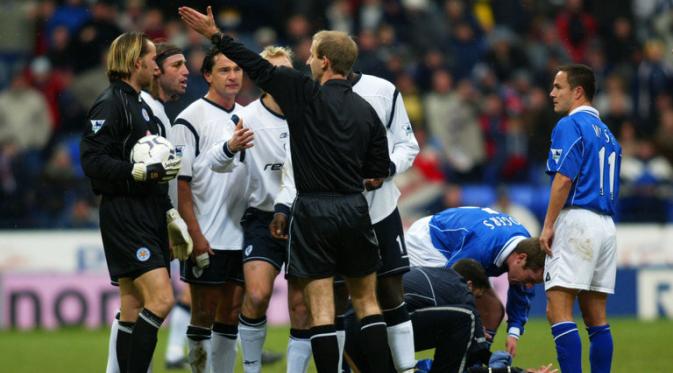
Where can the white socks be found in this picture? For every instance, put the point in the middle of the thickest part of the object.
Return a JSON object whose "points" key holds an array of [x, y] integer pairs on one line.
{"points": [[177, 333], [252, 333], [401, 342], [299, 351]]}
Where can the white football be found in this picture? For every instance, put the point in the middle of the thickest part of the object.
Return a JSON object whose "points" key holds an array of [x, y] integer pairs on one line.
{"points": [[152, 149]]}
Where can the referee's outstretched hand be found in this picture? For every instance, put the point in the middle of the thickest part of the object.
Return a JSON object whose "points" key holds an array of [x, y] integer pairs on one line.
{"points": [[278, 226], [242, 137], [204, 24]]}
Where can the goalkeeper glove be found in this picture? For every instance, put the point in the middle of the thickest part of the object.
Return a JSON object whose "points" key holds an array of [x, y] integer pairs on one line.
{"points": [[203, 260], [178, 235], [160, 171]]}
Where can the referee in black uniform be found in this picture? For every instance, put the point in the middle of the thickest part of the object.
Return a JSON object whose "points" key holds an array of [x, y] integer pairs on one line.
{"points": [[337, 141], [134, 204]]}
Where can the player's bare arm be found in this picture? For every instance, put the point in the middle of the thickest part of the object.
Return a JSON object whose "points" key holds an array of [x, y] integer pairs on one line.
{"points": [[559, 194]]}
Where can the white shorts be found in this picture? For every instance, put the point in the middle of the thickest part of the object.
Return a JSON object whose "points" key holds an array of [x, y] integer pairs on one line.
{"points": [[584, 251]]}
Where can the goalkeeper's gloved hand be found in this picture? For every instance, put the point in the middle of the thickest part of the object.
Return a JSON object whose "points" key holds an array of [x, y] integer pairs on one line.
{"points": [[159, 171], [178, 235]]}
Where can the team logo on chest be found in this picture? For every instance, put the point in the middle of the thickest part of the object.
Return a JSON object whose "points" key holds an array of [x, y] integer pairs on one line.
{"points": [[143, 254], [146, 115]]}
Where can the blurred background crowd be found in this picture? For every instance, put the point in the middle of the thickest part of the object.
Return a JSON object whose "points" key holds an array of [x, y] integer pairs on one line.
{"points": [[474, 74]]}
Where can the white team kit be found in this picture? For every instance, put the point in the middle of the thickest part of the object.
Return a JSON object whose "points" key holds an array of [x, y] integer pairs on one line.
{"points": [[219, 199], [402, 145], [265, 159], [164, 125], [584, 247]]}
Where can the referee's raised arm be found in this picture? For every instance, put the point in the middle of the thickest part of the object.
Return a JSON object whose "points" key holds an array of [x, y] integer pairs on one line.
{"points": [[336, 141]]}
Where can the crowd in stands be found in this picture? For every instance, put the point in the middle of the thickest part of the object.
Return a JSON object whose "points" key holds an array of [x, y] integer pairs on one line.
{"points": [[475, 76]]}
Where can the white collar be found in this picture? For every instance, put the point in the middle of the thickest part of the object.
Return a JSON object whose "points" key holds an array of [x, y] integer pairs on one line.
{"points": [[587, 109], [507, 249]]}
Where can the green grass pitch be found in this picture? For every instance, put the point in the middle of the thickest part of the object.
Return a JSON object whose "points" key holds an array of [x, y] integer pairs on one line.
{"points": [[639, 347]]}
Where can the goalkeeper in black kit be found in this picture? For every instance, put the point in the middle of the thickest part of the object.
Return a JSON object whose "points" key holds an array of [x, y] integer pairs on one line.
{"points": [[136, 216]]}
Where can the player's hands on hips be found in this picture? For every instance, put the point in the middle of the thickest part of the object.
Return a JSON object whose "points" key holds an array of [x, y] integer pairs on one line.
{"points": [[278, 226], [204, 24], [181, 241], [373, 184], [159, 171], [242, 137], [546, 238], [202, 251], [510, 345]]}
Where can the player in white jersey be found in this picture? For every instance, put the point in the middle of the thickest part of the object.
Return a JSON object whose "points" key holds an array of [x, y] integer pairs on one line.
{"points": [[403, 148], [170, 83], [264, 255], [213, 204], [578, 233]]}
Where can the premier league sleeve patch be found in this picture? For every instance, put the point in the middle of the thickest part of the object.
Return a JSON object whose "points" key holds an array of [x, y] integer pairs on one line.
{"points": [[556, 154], [97, 124], [143, 254]]}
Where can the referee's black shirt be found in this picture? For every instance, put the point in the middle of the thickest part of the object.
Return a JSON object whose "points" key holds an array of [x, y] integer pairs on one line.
{"points": [[116, 121], [336, 138]]}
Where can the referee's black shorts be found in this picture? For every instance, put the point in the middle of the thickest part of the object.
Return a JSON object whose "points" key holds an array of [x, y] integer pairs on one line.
{"points": [[331, 234], [135, 237]]}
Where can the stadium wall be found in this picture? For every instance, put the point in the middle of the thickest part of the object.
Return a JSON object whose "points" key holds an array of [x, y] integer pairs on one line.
{"points": [[53, 279]]}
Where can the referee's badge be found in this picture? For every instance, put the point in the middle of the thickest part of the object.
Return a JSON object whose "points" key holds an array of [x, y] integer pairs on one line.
{"points": [[146, 115], [143, 254], [248, 250]]}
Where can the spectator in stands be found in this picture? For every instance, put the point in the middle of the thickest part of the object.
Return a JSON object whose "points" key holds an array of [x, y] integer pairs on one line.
{"points": [[576, 28], [24, 116], [452, 121]]}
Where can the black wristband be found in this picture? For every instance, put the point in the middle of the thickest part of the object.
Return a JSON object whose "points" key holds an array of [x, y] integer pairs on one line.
{"points": [[216, 38], [226, 150]]}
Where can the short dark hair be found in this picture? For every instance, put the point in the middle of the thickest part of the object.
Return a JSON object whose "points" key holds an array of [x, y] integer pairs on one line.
{"points": [[535, 256], [471, 270], [209, 60], [581, 76]]}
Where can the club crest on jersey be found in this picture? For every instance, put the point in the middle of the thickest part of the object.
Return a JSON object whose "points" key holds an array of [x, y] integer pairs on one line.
{"points": [[556, 154], [248, 250], [97, 124], [178, 150], [283, 135], [408, 130], [143, 254], [146, 115]]}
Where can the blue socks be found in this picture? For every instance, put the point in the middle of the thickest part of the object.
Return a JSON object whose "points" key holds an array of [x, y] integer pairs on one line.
{"points": [[600, 352], [568, 346]]}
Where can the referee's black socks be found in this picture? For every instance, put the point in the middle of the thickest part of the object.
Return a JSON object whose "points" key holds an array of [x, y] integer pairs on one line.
{"points": [[375, 338], [325, 348], [143, 342]]}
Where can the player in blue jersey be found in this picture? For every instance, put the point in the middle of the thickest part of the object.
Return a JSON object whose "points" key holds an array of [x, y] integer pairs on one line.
{"points": [[497, 241], [578, 233]]}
